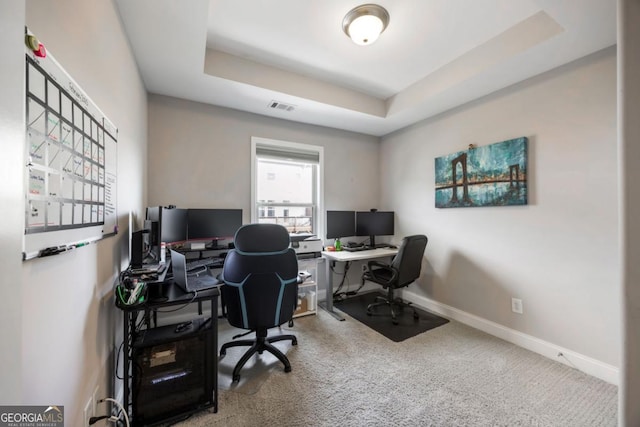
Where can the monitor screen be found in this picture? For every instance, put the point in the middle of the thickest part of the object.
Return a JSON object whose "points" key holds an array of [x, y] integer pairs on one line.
{"points": [[164, 224], [213, 224], [174, 225], [374, 223], [341, 224]]}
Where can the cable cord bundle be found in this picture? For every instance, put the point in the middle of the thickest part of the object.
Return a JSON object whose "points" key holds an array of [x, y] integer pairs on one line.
{"points": [[130, 292], [113, 418]]}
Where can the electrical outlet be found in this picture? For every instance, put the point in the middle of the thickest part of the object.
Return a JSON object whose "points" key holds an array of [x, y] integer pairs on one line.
{"points": [[516, 305], [88, 411]]}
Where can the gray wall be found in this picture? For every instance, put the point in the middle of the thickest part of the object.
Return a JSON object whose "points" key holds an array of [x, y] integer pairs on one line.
{"points": [[559, 254], [629, 131], [200, 156], [58, 322]]}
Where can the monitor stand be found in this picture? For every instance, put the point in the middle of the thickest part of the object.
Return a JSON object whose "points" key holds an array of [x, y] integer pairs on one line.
{"points": [[215, 246], [373, 245]]}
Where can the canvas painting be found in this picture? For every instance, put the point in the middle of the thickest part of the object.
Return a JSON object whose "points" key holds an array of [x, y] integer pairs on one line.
{"points": [[493, 175]]}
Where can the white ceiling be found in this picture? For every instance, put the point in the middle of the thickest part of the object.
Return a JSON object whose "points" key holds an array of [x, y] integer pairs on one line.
{"points": [[433, 56]]}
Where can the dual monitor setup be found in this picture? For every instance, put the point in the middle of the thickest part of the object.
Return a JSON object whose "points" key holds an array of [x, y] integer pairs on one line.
{"points": [[173, 225], [342, 224]]}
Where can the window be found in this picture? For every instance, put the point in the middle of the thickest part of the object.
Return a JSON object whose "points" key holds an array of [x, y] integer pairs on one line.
{"points": [[287, 185]]}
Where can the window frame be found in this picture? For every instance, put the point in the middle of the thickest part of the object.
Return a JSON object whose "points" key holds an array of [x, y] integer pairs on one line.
{"points": [[318, 181]]}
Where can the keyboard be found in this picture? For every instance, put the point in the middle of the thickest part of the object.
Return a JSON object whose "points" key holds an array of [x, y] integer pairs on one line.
{"points": [[149, 269], [367, 248], [355, 248], [207, 262]]}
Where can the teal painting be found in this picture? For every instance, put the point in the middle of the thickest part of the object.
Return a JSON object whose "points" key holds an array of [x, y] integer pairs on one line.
{"points": [[493, 175]]}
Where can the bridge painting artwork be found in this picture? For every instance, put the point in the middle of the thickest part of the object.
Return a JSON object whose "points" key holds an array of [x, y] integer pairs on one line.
{"points": [[493, 175]]}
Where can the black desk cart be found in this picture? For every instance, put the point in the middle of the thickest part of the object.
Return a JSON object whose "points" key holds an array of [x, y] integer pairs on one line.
{"points": [[169, 371]]}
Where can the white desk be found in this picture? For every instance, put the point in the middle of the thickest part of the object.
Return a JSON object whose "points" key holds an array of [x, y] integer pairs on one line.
{"points": [[346, 256]]}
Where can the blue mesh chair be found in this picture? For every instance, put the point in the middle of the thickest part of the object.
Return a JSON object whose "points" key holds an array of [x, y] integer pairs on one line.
{"points": [[260, 289]]}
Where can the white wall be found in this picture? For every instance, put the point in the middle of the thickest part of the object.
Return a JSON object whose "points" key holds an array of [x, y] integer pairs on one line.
{"points": [[11, 196], [200, 156], [559, 254], [58, 321]]}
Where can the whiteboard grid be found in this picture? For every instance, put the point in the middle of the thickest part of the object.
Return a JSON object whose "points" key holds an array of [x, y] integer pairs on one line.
{"points": [[70, 177], [66, 166]]}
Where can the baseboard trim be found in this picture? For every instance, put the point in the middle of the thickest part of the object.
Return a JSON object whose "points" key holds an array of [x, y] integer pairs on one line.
{"points": [[565, 356]]}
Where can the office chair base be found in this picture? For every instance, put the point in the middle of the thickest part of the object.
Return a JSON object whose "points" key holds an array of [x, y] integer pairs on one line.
{"points": [[397, 302], [259, 345]]}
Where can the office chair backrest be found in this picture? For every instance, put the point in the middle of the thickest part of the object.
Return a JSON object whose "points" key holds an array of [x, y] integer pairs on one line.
{"points": [[260, 276], [408, 261]]}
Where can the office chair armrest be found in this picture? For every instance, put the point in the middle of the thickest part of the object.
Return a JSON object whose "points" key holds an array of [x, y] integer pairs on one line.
{"points": [[385, 267], [376, 264]]}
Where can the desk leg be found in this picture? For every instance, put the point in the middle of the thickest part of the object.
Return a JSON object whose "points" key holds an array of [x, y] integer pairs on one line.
{"points": [[125, 363], [129, 325], [328, 302], [214, 346]]}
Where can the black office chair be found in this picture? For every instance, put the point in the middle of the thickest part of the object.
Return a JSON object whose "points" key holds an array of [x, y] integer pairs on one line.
{"points": [[403, 270], [260, 289]]}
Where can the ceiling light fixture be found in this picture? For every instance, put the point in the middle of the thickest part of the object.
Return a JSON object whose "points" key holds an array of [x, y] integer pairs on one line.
{"points": [[363, 24]]}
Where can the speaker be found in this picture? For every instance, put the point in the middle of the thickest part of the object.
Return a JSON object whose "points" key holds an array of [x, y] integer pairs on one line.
{"points": [[137, 249], [172, 372]]}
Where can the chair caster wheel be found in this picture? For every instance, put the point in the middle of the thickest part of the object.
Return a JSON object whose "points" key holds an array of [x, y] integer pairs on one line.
{"points": [[369, 313], [236, 378], [415, 316], [223, 353], [287, 368], [394, 321], [294, 342], [291, 323]]}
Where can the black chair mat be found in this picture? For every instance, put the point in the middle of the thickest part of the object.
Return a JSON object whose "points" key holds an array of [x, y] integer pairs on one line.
{"points": [[380, 321]]}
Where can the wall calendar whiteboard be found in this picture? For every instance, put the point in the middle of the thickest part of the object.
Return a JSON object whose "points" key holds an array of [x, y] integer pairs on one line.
{"points": [[71, 163]]}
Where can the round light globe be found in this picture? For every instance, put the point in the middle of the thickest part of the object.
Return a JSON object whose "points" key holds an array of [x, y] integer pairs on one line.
{"points": [[365, 29]]}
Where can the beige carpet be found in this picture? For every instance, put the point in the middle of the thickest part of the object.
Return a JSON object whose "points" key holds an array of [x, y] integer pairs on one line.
{"points": [[345, 374]]}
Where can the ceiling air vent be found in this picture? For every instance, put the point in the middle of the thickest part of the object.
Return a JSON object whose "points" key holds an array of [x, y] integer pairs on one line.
{"points": [[281, 106]]}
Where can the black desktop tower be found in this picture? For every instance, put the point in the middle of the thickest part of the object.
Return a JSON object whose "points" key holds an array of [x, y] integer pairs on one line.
{"points": [[172, 373]]}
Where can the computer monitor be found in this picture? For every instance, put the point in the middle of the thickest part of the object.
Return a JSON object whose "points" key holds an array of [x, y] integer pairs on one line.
{"points": [[341, 224], [164, 224], [174, 225], [374, 223], [213, 224]]}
